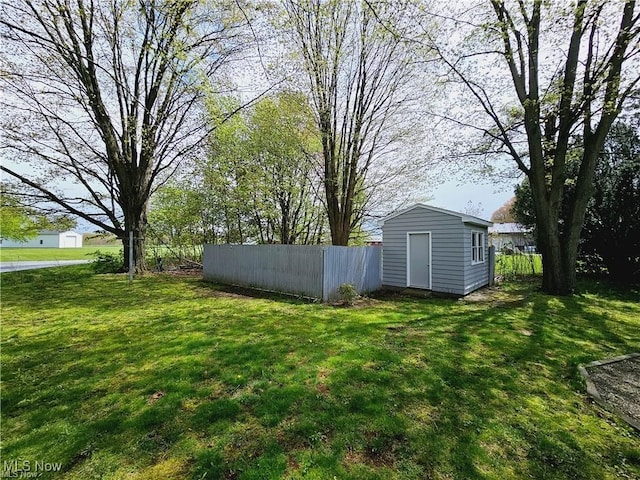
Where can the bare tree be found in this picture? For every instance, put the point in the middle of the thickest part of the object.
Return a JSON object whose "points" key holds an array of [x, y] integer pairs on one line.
{"points": [[358, 73], [572, 68], [104, 99]]}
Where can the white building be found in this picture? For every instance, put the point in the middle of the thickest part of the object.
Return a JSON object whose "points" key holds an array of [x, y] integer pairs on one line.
{"points": [[47, 239], [511, 236]]}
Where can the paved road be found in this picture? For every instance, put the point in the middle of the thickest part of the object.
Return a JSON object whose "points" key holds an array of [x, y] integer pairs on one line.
{"points": [[15, 266]]}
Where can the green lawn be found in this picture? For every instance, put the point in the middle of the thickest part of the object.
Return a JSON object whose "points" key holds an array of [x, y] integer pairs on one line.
{"points": [[175, 378], [518, 264], [27, 254]]}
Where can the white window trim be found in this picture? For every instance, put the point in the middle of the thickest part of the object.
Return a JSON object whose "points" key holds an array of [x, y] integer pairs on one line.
{"points": [[478, 248]]}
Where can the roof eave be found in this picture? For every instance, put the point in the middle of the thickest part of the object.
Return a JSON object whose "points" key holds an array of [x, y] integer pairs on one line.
{"points": [[464, 218]]}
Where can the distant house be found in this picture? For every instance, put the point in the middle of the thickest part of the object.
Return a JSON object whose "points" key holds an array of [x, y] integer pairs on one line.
{"points": [[48, 239], [511, 237]]}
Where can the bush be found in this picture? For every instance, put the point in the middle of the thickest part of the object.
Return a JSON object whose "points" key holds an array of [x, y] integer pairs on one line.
{"points": [[107, 262], [348, 293]]}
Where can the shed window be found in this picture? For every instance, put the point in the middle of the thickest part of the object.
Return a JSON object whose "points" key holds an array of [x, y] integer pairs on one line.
{"points": [[41, 242], [477, 247]]}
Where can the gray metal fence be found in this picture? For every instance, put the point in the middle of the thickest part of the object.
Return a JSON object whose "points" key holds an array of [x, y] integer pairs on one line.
{"points": [[315, 271]]}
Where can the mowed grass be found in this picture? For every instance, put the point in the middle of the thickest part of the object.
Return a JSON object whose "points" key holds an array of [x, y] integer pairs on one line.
{"points": [[36, 254], [174, 378]]}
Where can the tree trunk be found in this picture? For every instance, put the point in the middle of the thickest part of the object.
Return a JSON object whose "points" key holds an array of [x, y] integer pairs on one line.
{"points": [[338, 214], [136, 222], [340, 226], [556, 277]]}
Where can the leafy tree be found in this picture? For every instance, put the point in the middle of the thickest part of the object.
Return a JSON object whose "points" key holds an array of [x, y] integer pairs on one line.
{"points": [[16, 222], [572, 68], [108, 96], [261, 173], [176, 219], [225, 174], [285, 148], [258, 183], [612, 227], [20, 223], [611, 234], [523, 210], [504, 214]]}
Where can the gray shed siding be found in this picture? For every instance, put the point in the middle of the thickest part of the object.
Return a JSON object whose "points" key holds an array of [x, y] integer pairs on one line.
{"points": [[447, 243], [451, 267], [476, 276]]}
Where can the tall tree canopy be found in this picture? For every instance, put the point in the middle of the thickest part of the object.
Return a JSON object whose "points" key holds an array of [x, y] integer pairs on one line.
{"points": [[285, 148], [259, 180], [611, 234], [104, 99], [571, 66], [357, 73]]}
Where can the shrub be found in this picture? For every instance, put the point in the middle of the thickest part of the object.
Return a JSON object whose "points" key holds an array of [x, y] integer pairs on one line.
{"points": [[107, 262], [348, 293]]}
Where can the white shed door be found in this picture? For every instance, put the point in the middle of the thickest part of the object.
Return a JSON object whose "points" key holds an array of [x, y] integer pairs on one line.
{"points": [[419, 260], [69, 241]]}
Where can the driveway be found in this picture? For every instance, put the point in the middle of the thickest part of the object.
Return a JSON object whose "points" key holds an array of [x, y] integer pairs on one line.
{"points": [[32, 265]]}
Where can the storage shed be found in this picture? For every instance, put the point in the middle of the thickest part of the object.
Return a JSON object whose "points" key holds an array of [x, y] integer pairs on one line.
{"points": [[435, 249]]}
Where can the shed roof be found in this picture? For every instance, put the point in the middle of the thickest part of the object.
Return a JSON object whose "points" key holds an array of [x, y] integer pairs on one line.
{"points": [[463, 217], [56, 232]]}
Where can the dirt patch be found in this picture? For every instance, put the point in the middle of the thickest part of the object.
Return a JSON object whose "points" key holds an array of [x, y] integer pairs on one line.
{"points": [[321, 385], [495, 297], [183, 272], [615, 384], [368, 457], [223, 294], [359, 302], [155, 397], [216, 291]]}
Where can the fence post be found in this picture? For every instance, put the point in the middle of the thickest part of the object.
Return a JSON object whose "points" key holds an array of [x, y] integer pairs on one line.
{"points": [[130, 257], [492, 266]]}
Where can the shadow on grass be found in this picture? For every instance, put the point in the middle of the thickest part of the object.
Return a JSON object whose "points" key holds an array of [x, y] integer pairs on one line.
{"points": [[175, 378]]}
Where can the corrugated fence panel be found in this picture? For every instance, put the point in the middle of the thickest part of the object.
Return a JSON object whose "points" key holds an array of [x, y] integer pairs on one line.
{"points": [[309, 270], [360, 266], [282, 268]]}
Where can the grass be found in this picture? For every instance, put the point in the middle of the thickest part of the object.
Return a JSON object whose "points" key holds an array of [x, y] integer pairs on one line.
{"points": [[35, 254], [86, 253], [518, 264], [173, 378]]}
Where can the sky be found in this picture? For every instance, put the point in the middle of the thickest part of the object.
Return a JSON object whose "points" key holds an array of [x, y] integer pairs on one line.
{"points": [[486, 197], [465, 194]]}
